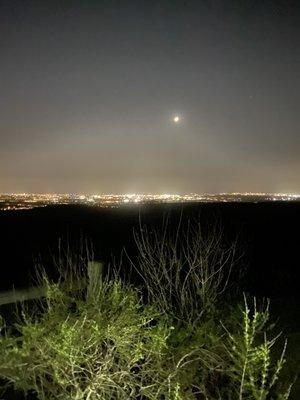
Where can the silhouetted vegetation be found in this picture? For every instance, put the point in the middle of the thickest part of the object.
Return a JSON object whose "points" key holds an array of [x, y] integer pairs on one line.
{"points": [[175, 333]]}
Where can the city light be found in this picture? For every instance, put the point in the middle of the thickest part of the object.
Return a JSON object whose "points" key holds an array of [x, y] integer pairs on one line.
{"points": [[21, 201]]}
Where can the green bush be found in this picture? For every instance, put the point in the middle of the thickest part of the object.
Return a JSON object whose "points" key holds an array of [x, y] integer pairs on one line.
{"points": [[94, 337], [253, 371], [103, 346]]}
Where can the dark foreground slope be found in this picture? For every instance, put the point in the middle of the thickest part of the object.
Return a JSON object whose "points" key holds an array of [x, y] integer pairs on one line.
{"points": [[267, 233]]}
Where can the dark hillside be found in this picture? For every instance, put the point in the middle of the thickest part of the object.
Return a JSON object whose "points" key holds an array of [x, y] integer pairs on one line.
{"points": [[268, 233]]}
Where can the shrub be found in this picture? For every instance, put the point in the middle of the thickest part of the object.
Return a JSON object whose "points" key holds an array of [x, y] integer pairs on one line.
{"points": [[94, 337], [185, 272], [103, 346], [252, 368]]}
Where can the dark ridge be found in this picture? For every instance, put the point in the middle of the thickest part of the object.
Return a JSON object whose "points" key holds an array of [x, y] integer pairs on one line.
{"points": [[267, 232]]}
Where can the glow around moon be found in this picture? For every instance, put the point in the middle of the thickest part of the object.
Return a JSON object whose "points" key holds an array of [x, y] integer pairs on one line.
{"points": [[176, 119]]}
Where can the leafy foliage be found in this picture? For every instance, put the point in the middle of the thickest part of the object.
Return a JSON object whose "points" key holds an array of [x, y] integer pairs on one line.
{"points": [[94, 347], [250, 351], [96, 337]]}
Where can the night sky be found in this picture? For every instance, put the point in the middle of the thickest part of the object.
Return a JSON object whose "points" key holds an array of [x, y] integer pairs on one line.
{"points": [[89, 90]]}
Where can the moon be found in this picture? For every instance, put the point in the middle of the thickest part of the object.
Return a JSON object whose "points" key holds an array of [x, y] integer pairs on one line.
{"points": [[176, 119]]}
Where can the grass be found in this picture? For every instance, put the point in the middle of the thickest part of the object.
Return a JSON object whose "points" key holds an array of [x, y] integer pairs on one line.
{"points": [[172, 335]]}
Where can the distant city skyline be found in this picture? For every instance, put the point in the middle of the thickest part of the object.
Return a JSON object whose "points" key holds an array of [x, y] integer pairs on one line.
{"points": [[149, 97], [27, 201]]}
